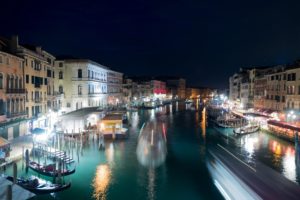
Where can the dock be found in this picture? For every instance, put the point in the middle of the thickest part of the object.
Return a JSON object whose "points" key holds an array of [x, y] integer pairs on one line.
{"points": [[18, 193], [55, 153]]}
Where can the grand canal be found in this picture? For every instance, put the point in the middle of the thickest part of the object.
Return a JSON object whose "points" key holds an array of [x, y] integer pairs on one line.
{"points": [[116, 173]]}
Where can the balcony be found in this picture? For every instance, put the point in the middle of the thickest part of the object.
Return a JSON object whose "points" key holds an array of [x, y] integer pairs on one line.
{"points": [[14, 115], [96, 94], [38, 100], [59, 94], [15, 91], [88, 79]]}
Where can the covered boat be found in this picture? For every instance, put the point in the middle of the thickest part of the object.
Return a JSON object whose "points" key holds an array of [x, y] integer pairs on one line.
{"points": [[39, 186], [49, 170], [246, 130]]}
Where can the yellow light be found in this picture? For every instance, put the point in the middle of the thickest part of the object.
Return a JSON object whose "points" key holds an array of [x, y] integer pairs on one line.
{"points": [[101, 181]]}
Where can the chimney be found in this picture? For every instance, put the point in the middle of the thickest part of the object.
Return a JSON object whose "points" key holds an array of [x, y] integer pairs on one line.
{"points": [[39, 49], [14, 43]]}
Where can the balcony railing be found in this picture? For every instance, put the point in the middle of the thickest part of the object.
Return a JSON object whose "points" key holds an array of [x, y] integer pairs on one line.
{"points": [[38, 100], [15, 91], [88, 79], [18, 114]]}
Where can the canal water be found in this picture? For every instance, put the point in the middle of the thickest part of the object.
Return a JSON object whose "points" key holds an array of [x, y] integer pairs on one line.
{"points": [[117, 174]]}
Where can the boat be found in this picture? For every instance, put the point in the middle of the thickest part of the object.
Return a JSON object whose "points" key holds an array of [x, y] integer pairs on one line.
{"points": [[246, 130], [188, 101], [49, 170], [132, 109], [39, 186], [149, 105]]}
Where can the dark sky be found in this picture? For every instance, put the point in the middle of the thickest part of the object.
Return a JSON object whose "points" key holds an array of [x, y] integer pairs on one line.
{"points": [[203, 41]]}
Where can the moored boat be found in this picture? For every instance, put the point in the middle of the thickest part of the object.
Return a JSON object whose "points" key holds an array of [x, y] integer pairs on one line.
{"points": [[246, 130], [188, 101], [49, 170], [39, 186]]}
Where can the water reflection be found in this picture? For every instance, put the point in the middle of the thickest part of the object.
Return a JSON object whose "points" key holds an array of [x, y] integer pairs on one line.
{"points": [[101, 181], [203, 123], [109, 151], [250, 144], [151, 183]]}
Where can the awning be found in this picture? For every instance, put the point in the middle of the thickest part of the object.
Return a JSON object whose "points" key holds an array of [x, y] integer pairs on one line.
{"points": [[284, 125]]}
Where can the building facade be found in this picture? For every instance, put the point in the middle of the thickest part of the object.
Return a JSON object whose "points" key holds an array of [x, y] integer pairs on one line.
{"points": [[276, 90], [260, 92], [293, 89], [175, 86], [80, 83], [192, 93], [114, 87], [12, 92]]}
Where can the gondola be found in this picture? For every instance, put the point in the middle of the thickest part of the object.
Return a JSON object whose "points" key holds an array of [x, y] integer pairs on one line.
{"points": [[39, 186], [49, 170]]}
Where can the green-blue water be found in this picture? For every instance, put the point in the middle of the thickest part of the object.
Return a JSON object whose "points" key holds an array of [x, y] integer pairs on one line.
{"points": [[116, 173]]}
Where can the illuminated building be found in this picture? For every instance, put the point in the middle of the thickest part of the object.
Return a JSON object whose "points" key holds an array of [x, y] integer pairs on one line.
{"points": [[80, 83], [114, 87], [12, 92]]}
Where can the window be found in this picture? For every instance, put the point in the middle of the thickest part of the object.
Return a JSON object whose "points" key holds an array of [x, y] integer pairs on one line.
{"points": [[1, 61], [21, 83], [49, 73], [79, 90], [1, 81], [293, 76], [283, 99], [32, 79], [89, 73], [79, 73], [60, 75], [61, 89], [17, 83], [61, 64], [27, 78], [46, 81], [68, 105], [7, 61]]}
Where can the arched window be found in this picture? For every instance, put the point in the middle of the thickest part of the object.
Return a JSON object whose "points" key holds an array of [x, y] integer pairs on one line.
{"points": [[1, 81], [21, 83], [79, 90], [79, 73], [17, 105], [8, 109], [60, 75], [17, 82], [61, 89], [10, 82]]}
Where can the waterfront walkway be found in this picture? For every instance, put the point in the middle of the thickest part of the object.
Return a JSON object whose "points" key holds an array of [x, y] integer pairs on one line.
{"points": [[17, 146]]}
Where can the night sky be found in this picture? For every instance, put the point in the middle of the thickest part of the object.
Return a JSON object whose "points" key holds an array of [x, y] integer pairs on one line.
{"points": [[203, 41]]}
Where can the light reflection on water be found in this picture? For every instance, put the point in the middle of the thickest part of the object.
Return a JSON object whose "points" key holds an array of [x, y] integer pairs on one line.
{"points": [[203, 123], [151, 183], [101, 181], [283, 156]]}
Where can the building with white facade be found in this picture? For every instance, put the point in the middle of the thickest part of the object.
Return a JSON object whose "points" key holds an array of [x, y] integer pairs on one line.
{"points": [[114, 87], [80, 83]]}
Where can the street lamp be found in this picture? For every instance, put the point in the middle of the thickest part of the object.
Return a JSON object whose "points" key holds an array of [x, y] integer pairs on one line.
{"points": [[291, 115]]}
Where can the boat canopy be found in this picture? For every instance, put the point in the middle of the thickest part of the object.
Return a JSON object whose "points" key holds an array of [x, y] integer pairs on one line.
{"points": [[284, 125]]}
